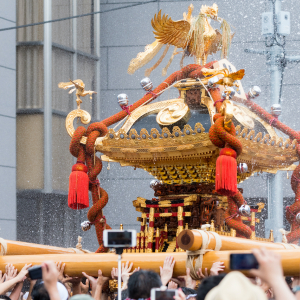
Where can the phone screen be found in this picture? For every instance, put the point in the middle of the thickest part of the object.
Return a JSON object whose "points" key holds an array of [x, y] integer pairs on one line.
{"points": [[119, 238], [243, 261], [165, 295]]}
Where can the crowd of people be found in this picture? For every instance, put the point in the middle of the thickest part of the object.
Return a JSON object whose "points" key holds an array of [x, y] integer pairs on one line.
{"points": [[266, 282]]}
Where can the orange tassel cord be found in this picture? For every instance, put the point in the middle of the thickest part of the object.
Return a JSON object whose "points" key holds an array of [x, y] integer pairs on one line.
{"points": [[221, 138]]}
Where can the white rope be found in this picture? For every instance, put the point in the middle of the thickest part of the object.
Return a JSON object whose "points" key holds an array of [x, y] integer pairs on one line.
{"points": [[206, 238], [3, 246]]}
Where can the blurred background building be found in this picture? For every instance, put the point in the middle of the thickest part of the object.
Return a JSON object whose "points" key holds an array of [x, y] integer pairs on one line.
{"points": [[36, 163]]}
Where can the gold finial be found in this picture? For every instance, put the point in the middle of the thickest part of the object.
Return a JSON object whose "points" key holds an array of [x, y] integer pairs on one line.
{"points": [[212, 226], [78, 86], [157, 232], [166, 227], [186, 225], [232, 232], [121, 226], [271, 237]]}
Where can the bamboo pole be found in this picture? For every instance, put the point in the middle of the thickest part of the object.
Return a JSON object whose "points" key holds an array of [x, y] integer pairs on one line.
{"points": [[8, 247], [192, 240], [90, 263]]}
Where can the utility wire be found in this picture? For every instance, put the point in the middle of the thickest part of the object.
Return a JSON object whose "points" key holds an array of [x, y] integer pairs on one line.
{"points": [[77, 16]]}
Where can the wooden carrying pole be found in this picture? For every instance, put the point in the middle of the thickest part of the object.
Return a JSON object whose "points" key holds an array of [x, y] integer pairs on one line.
{"points": [[192, 240], [21, 248], [90, 263]]}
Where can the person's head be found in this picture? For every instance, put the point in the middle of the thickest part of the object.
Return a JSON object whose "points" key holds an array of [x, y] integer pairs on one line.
{"points": [[39, 292], [189, 293], [140, 284], [236, 286], [207, 284]]}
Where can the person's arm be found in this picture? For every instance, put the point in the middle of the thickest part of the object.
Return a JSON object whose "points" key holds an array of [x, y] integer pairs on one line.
{"points": [[100, 282], [32, 283], [93, 282], [7, 285], [50, 275], [166, 271], [270, 271], [15, 294]]}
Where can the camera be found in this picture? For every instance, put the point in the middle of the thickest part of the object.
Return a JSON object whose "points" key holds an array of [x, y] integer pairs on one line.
{"points": [[243, 261], [35, 272], [163, 294], [119, 238]]}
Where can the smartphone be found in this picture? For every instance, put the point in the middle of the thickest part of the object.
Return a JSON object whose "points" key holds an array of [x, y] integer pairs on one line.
{"points": [[35, 272], [158, 294], [119, 238], [243, 261]]}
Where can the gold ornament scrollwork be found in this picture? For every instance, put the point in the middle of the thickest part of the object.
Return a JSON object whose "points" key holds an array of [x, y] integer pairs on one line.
{"points": [[85, 118]]}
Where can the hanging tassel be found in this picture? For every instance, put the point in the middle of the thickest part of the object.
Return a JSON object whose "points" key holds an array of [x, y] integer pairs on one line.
{"points": [[226, 172], [78, 197]]}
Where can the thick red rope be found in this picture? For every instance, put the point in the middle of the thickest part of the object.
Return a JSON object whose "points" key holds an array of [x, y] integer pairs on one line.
{"points": [[221, 138]]}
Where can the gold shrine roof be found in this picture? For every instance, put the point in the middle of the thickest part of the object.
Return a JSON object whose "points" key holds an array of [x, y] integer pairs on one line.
{"points": [[182, 152]]}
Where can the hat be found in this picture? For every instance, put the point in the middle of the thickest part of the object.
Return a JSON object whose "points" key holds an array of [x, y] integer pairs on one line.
{"points": [[63, 292], [81, 297], [236, 286]]}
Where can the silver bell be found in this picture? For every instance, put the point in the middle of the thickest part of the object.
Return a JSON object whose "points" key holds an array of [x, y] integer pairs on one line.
{"points": [[244, 210], [122, 100], [298, 218], [85, 225], [254, 92], [147, 84], [212, 81], [242, 168], [153, 183], [232, 92], [276, 110]]}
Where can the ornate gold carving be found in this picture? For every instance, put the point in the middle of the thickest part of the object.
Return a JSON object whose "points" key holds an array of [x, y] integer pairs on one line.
{"points": [[173, 113], [85, 118], [78, 86], [242, 117]]}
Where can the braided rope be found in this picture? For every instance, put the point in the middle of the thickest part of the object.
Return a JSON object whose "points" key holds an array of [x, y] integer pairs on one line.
{"points": [[221, 138], [94, 164], [206, 238]]}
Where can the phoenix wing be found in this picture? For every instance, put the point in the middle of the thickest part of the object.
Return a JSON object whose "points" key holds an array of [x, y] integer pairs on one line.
{"points": [[170, 32], [238, 75]]}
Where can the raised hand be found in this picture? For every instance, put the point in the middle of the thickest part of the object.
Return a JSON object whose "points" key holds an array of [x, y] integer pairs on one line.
{"points": [[60, 267], [216, 268], [172, 285], [166, 271], [10, 271], [189, 282], [200, 274]]}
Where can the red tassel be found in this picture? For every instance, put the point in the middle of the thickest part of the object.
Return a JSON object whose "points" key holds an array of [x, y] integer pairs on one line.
{"points": [[78, 197], [226, 173]]}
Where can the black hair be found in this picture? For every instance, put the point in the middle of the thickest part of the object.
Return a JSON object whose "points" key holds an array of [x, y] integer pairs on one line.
{"points": [[207, 284], [188, 291], [39, 292], [4, 297], [124, 295], [140, 284]]}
